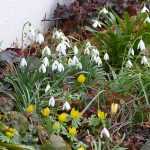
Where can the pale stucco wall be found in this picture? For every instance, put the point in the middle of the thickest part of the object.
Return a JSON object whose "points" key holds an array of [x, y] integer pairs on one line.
{"points": [[14, 13]]}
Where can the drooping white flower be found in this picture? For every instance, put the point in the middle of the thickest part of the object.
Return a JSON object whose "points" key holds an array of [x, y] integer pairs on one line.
{"points": [[66, 106], [97, 60], [105, 133], [23, 63], [144, 9], [141, 45], [42, 68], [46, 51], [96, 23], [58, 35], [45, 61], [39, 38], [95, 52], [47, 88], [60, 67], [104, 11], [147, 20], [51, 102], [131, 51], [88, 46], [79, 66], [106, 57], [129, 64], [144, 61], [75, 50], [55, 65]]}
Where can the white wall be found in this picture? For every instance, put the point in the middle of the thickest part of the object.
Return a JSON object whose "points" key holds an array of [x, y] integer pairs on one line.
{"points": [[14, 13]]}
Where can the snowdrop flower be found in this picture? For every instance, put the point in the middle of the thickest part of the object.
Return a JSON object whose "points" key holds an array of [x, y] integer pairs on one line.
{"points": [[141, 45], [96, 24], [51, 101], [147, 20], [131, 51], [39, 38], [42, 68], [58, 35], [66, 106], [55, 65], [144, 61], [79, 66], [60, 67], [105, 133], [88, 46], [47, 88], [97, 60], [104, 11], [46, 51], [95, 52], [87, 51], [23, 63], [129, 64], [45, 61], [144, 9], [106, 57], [75, 50]]}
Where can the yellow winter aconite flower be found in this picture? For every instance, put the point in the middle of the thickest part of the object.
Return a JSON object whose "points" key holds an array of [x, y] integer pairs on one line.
{"points": [[101, 115], [72, 131], [75, 114], [10, 132], [30, 108], [114, 108], [81, 148], [63, 117], [81, 78], [45, 112]]}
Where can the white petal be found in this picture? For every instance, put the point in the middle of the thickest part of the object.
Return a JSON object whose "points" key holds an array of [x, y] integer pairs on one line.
{"points": [[52, 101], [141, 45], [104, 11], [144, 9], [23, 63], [147, 20], [45, 61], [40, 38], [129, 64], [105, 133], [66, 106], [106, 57], [42, 68], [47, 88], [144, 61], [75, 50], [46, 51]]}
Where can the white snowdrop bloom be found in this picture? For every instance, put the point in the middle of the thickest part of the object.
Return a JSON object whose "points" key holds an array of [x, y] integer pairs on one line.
{"points": [[23, 63], [131, 51], [58, 34], [75, 50], [48, 87], [87, 51], [106, 57], [97, 60], [60, 67], [95, 52], [147, 20], [42, 68], [144, 9], [144, 61], [55, 65], [96, 23], [88, 44], [46, 51], [51, 102], [39, 38], [104, 11], [105, 133], [79, 66], [141, 45], [75, 60], [66, 106], [45, 61], [129, 64]]}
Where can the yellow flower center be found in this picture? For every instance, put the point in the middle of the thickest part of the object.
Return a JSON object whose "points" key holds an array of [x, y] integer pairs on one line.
{"points": [[75, 114], [81, 78], [63, 117], [30, 108], [101, 115], [45, 112], [72, 131]]}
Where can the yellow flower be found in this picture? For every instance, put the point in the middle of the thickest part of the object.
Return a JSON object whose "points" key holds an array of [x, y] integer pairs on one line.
{"points": [[81, 78], [114, 108], [81, 148], [10, 132], [30, 108], [45, 112], [56, 126], [72, 131], [75, 114], [63, 117], [101, 115]]}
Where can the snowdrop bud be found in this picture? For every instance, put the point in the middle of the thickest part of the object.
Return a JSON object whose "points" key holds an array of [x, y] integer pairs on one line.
{"points": [[42, 68], [79, 66], [40, 38], [51, 101], [23, 63], [45, 61], [141, 45], [55, 65], [144, 9], [46, 51], [104, 11], [75, 50], [131, 51], [105, 133], [106, 57], [147, 20], [75, 60], [129, 64], [96, 24], [61, 48], [144, 61], [60, 67], [47, 88], [66, 106], [114, 108]]}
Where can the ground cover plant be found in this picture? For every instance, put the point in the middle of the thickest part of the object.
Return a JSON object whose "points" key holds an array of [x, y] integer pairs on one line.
{"points": [[60, 92]]}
